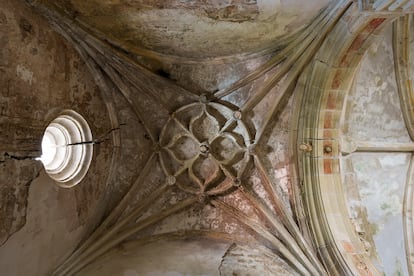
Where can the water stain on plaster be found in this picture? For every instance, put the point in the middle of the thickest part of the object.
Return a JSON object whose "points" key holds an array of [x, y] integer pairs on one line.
{"points": [[41, 75], [193, 29], [16, 177], [374, 112], [374, 181], [3, 18], [196, 256], [26, 28], [234, 13], [24, 74], [244, 260], [229, 10]]}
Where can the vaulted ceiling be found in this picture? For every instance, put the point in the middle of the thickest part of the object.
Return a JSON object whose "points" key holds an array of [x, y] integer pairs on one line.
{"points": [[229, 137]]}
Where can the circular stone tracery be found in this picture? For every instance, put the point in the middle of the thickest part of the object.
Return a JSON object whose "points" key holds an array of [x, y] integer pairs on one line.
{"points": [[205, 147], [65, 155]]}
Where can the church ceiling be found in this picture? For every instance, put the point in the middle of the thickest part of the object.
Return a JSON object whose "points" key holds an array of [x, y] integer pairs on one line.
{"points": [[224, 134]]}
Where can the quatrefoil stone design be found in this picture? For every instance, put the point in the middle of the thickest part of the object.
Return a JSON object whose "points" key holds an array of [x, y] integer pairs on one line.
{"points": [[205, 147]]}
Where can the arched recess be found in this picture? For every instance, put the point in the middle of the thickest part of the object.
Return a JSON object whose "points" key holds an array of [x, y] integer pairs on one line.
{"points": [[320, 102], [408, 217], [403, 60]]}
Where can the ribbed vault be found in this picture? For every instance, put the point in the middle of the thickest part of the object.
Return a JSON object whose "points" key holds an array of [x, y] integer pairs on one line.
{"points": [[245, 169]]}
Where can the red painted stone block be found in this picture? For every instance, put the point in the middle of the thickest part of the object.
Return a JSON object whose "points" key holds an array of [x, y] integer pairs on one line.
{"points": [[337, 80], [328, 120], [346, 59], [358, 42], [348, 246], [327, 166], [331, 101], [327, 134], [373, 25]]}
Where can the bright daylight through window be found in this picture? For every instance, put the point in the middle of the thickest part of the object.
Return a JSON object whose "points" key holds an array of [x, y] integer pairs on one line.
{"points": [[67, 148]]}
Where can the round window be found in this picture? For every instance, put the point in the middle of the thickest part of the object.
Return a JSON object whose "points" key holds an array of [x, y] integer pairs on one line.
{"points": [[67, 148]]}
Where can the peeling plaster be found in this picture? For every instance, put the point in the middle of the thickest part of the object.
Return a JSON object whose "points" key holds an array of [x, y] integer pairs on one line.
{"points": [[375, 182], [24, 74], [41, 75], [173, 258], [194, 28]]}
